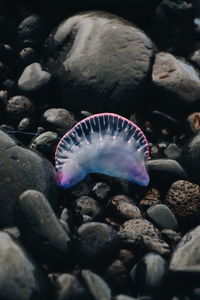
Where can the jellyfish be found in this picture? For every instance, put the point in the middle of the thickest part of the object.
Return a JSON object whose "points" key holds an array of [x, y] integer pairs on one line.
{"points": [[103, 143]]}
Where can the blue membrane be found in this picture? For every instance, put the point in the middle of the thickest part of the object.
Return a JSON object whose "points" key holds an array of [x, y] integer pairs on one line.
{"points": [[103, 143]]}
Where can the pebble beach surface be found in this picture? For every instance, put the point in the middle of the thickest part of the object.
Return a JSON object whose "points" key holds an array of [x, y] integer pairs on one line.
{"points": [[105, 238]]}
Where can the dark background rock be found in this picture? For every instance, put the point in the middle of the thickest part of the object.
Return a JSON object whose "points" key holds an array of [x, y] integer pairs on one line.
{"points": [[91, 67], [32, 172]]}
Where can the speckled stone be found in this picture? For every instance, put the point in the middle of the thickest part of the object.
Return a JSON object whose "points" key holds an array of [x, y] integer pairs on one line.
{"points": [[183, 198]]}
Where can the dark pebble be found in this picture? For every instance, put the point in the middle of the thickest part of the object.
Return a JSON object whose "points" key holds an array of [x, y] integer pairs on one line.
{"points": [[171, 237], [40, 228], [58, 119], [162, 217], [124, 297], [149, 273], [183, 198], [18, 108], [46, 144], [20, 279], [69, 288], [97, 287], [165, 171], [96, 241], [154, 244], [106, 62], [86, 205], [33, 79], [32, 172], [124, 207], [32, 31]]}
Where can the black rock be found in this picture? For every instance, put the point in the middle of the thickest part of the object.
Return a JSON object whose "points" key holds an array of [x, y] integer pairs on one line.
{"points": [[162, 217], [69, 288], [190, 158], [59, 120], [97, 287], [31, 172], [32, 31], [101, 62], [96, 241], [176, 82], [149, 273], [21, 279], [88, 206], [183, 198], [173, 26], [40, 228], [165, 171], [17, 108], [46, 144], [33, 79]]}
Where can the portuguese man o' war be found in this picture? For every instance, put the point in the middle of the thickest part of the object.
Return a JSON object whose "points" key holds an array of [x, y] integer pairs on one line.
{"points": [[103, 143]]}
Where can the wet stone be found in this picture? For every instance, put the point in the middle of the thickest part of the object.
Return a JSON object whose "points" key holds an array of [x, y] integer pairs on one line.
{"points": [[149, 273], [20, 279], [18, 108], [41, 230], [194, 122], [165, 171], [88, 206], [124, 207], [162, 217], [183, 198], [31, 169], [101, 191], [151, 198], [59, 120], [157, 245], [69, 288], [176, 79], [96, 241], [97, 287], [46, 144], [33, 79], [32, 31], [100, 61]]}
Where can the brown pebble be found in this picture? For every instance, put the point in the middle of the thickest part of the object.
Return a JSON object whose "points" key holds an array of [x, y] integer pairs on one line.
{"points": [[151, 198]]}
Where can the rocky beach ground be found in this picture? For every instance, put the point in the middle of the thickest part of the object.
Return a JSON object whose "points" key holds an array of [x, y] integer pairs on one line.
{"points": [[105, 238]]}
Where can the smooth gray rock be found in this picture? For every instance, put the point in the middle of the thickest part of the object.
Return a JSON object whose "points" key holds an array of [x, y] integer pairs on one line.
{"points": [[101, 62]]}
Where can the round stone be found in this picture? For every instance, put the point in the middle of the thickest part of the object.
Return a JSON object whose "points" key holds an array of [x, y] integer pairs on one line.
{"points": [[96, 241], [100, 61], [162, 217]]}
